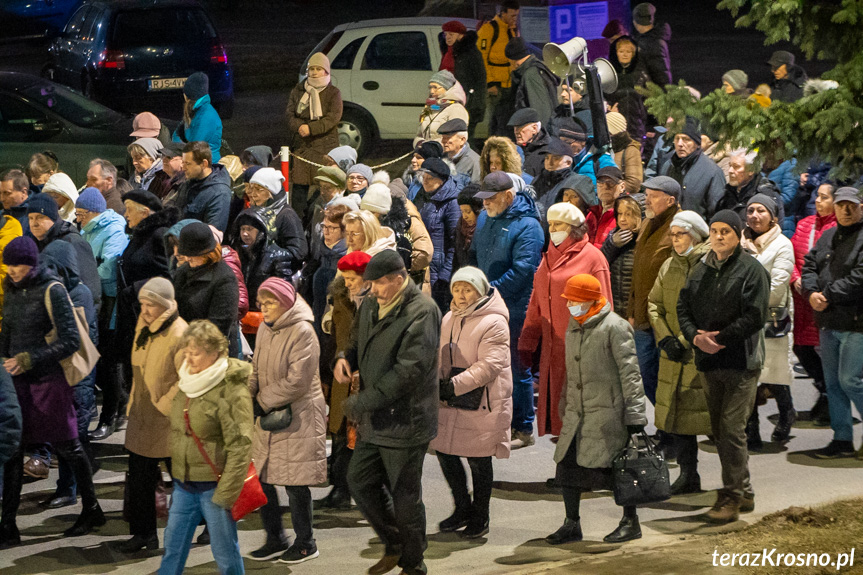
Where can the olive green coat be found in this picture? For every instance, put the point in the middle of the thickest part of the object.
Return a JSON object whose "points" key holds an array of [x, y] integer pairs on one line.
{"points": [[680, 404]]}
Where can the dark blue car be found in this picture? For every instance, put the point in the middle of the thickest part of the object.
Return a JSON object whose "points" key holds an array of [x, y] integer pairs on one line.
{"points": [[135, 56], [34, 18]]}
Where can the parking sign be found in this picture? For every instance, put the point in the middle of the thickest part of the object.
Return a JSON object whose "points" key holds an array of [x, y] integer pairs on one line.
{"points": [[586, 20]]}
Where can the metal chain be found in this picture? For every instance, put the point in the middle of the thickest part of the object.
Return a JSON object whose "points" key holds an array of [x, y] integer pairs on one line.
{"points": [[385, 164]]}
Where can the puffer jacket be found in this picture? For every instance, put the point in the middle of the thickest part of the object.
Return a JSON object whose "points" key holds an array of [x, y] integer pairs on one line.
{"points": [[60, 258], [155, 365], [479, 342], [10, 230], [628, 159], [680, 403], [206, 126], [223, 420], [620, 262], [508, 249], [440, 213], [285, 372], [261, 260], [107, 237], [453, 108], [653, 49], [207, 200], [603, 392], [809, 231], [87, 269]]}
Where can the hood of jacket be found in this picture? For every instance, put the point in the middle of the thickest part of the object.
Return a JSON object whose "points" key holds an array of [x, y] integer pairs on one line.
{"points": [[796, 75], [456, 93], [63, 185], [250, 217], [300, 311], [105, 220], [467, 43], [448, 191], [219, 176], [60, 258], [262, 155], [60, 229], [581, 185], [522, 206]]}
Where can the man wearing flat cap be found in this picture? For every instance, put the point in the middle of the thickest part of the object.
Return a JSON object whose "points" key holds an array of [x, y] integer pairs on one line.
{"points": [[454, 138], [532, 137], [788, 78], [396, 334], [557, 166]]}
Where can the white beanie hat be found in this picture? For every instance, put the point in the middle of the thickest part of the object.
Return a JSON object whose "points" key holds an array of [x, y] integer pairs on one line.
{"points": [[270, 178], [693, 223], [566, 213], [351, 201], [474, 277], [159, 291], [377, 199]]}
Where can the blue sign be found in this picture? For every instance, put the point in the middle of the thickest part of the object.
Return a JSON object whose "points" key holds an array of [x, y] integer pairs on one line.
{"points": [[585, 20]]}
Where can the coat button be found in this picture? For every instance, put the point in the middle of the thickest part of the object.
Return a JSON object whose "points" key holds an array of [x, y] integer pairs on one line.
{"points": [[578, 358]]}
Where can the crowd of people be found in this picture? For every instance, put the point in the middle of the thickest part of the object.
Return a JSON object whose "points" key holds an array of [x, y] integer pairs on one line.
{"points": [[538, 285]]}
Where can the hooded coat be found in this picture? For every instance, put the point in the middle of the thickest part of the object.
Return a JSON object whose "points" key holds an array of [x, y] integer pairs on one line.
{"points": [[653, 49], [479, 342], [261, 260], [431, 120], [106, 234], [207, 200], [285, 372], [206, 126], [535, 86], [87, 268], [440, 214], [790, 88], [548, 319], [62, 185], [808, 233], [629, 102]]}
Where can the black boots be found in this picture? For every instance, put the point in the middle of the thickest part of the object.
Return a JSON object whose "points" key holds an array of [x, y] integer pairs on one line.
{"points": [[569, 532], [687, 457], [104, 430], [89, 519], [337, 498], [787, 415], [753, 432], [137, 542], [9, 535], [456, 521], [627, 530]]}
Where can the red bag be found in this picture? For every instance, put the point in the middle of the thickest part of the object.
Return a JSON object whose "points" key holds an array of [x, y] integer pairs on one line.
{"points": [[252, 495], [251, 322]]}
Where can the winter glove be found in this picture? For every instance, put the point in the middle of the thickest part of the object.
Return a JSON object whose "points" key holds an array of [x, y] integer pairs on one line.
{"points": [[672, 348], [634, 429], [525, 357], [621, 238], [257, 409], [350, 408], [447, 389]]}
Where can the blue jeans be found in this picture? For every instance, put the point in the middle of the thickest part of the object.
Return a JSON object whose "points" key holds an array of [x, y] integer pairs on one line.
{"points": [[648, 361], [523, 413], [842, 359], [187, 508], [84, 398]]}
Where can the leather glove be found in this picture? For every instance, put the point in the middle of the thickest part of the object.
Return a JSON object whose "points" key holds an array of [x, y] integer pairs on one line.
{"points": [[257, 409], [672, 348], [447, 389], [351, 409], [621, 237], [634, 429], [525, 357]]}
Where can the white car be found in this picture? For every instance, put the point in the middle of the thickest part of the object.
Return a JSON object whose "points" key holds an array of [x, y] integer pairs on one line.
{"points": [[382, 68]]}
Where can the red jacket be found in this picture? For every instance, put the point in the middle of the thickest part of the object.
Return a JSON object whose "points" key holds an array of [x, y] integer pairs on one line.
{"points": [[809, 229], [607, 222], [548, 318]]}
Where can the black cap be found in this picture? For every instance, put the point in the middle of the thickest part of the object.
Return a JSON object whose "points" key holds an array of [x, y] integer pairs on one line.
{"points": [[172, 150], [610, 172], [196, 239], [556, 147], [730, 218], [493, 183], [665, 184], [847, 194], [781, 57], [522, 117], [452, 127], [516, 49], [429, 149], [249, 172], [437, 168], [145, 198], [382, 264]]}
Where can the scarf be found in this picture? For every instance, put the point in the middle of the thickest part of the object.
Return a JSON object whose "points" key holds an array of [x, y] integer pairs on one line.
{"points": [[594, 309], [467, 230], [469, 309], [144, 336], [756, 244], [680, 166], [448, 60], [397, 299], [197, 384], [619, 142], [312, 98]]}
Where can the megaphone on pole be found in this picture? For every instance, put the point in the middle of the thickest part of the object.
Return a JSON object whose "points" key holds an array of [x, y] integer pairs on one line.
{"points": [[607, 75], [560, 57]]}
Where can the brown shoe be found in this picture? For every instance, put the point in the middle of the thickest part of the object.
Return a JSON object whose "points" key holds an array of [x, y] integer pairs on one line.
{"points": [[385, 565], [726, 509], [521, 439], [36, 468], [747, 503]]}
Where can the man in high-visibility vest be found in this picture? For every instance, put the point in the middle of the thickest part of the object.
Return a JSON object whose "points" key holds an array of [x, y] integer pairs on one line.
{"points": [[493, 37]]}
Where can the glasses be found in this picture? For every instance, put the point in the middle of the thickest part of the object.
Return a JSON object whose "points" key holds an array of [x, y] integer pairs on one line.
{"points": [[356, 178], [678, 235], [80, 213], [270, 303], [355, 234], [334, 229]]}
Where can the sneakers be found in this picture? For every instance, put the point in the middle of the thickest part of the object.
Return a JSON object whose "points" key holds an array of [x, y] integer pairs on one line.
{"points": [[726, 509], [570, 531], [836, 449], [476, 527], [454, 522], [521, 439], [270, 550], [296, 554], [36, 468]]}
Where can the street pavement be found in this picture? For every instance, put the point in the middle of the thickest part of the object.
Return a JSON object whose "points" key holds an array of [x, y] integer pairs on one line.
{"points": [[523, 511]]}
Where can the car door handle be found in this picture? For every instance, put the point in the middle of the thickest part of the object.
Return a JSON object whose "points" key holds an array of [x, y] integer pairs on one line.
{"points": [[371, 85]]}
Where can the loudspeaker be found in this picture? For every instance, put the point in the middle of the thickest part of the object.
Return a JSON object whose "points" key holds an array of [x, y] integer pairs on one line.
{"points": [[559, 57], [607, 75]]}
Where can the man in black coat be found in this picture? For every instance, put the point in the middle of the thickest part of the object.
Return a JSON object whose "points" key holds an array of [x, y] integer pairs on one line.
{"points": [[729, 350], [788, 79], [743, 183], [395, 338], [652, 41], [532, 136]]}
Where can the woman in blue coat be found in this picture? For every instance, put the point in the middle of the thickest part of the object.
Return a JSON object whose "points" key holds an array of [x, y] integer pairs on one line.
{"points": [[201, 122]]}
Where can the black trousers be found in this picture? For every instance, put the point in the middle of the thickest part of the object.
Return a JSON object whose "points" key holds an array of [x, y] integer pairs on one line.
{"points": [[482, 476], [687, 453], [109, 376], [341, 460], [300, 501], [144, 475], [811, 362], [386, 483]]}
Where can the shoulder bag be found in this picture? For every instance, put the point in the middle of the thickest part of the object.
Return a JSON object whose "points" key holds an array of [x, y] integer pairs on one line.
{"points": [[277, 419], [81, 363], [640, 474], [470, 401]]}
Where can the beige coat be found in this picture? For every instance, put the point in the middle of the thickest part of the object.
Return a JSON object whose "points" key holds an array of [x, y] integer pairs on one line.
{"points": [[431, 120], [154, 385], [285, 371]]}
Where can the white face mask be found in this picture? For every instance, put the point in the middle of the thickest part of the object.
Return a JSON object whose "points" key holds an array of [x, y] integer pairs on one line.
{"points": [[557, 238], [688, 250], [580, 309]]}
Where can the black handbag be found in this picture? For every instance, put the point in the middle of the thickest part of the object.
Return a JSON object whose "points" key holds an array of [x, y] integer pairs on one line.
{"points": [[278, 419], [470, 401], [778, 323], [640, 474]]}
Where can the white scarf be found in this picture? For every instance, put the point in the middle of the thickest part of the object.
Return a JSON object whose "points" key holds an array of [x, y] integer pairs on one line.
{"points": [[312, 99], [197, 384]]}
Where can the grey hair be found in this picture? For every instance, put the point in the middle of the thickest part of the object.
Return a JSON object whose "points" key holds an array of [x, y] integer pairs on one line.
{"points": [[204, 334], [108, 169]]}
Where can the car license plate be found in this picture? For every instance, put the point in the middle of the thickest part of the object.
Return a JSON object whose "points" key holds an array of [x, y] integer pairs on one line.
{"points": [[166, 84]]}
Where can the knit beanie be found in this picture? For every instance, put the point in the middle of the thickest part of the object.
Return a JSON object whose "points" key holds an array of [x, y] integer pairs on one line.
{"points": [[693, 223], [280, 289], [21, 251], [692, 128], [737, 78], [159, 291], [467, 197], [474, 277], [443, 78], [269, 178], [583, 287], [377, 199], [151, 146], [350, 201], [398, 189], [197, 86], [616, 123], [643, 14], [43, 204], [92, 200], [196, 240], [249, 173], [344, 157], [730, 218], [765, 201], [566, 213], [516, 49], [319, 59], [429, 149], [354, 262], [362, 170], [382, 264]]}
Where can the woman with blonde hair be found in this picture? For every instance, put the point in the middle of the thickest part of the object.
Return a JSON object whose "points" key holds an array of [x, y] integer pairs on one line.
{"points": [[499, 154], [364, 233]]}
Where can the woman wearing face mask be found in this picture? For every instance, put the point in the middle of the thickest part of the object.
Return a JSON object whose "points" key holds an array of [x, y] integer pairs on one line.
{"points": [[603, 404], [314, 112], [569, 253], [475, 344], [681, 409], [446, 102], [764, 240], [619, 248]]}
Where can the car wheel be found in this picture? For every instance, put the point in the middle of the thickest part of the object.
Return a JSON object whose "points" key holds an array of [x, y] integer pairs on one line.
{"points": [[355, 131]]}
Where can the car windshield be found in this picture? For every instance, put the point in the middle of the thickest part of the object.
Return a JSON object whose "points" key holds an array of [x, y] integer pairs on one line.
{"points": [[71, 106], [161, 27]]}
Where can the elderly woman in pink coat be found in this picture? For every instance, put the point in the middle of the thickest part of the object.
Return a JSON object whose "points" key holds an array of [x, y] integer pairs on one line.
{"points": [[290, 433], [569, 253], [476, 397]]}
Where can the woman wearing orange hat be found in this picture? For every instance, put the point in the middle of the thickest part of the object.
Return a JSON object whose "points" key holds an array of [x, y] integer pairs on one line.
{"points": [[601, 406]]}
